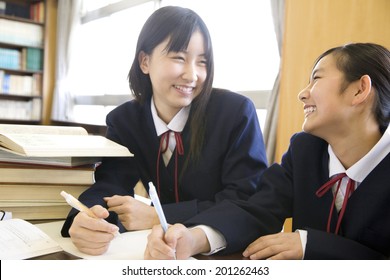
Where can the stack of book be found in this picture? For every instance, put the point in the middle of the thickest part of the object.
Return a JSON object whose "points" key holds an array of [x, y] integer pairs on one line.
{"points": [[38, 162]]}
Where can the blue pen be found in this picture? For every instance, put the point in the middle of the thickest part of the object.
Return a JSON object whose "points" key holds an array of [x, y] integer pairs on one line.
{"points": [[157, 205]]}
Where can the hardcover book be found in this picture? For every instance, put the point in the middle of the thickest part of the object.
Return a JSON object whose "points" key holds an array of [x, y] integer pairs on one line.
{"points": [[57, 141]]}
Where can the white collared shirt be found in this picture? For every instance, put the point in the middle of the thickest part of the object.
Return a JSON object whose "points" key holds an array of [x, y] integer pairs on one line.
{"points": [[177, 124]]}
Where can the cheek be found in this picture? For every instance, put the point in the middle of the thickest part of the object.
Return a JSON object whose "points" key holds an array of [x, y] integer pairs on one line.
{"points": [[202, 75], [160, 74]]}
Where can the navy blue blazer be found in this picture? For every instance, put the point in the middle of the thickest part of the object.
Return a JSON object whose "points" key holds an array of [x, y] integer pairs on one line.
{"points": [[288, 190], [232, 159]]}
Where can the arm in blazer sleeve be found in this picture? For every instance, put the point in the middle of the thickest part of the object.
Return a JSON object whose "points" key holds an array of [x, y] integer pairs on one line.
{"points": [[115, 176], [241, 222], [322, 245], [240, 165]]}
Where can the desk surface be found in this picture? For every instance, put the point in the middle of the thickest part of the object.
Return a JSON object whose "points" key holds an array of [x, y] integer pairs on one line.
{"points": [[67, 256], [129, 245]]}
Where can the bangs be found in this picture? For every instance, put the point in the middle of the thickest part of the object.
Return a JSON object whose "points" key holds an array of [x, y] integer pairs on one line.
{"points": [[180, 37]]}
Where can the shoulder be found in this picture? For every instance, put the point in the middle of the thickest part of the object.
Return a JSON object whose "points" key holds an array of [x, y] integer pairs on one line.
{"points": [[126, 110], [306, 138], [230, 100], [303, 143], [227, 95]]}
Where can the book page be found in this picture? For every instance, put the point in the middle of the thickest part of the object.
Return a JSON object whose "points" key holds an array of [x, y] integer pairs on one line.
{"points": [[126, 246], [42, 129], [20, 239]]}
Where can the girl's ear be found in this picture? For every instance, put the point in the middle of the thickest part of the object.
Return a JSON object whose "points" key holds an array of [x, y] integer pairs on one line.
{"points": [[364, 90], [143, 60]]}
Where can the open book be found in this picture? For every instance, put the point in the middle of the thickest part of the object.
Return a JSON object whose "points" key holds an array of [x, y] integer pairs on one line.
{"points": [[55, 144], [20, 239]]}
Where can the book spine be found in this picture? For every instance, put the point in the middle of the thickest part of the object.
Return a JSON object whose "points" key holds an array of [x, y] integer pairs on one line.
{"points": [[20, 110], [10, 58], [34, 59], [21, 33]]}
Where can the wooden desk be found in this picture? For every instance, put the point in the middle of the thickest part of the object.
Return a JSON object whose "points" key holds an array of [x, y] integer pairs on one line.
{"points": [[235, 256], [57, 256]]}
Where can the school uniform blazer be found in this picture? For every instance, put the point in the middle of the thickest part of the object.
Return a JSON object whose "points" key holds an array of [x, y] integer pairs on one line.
{"points": [[231, 162], [288, 190]]}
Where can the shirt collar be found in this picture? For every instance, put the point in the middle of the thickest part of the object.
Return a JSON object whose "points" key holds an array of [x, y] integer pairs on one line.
{"points": [[360, 170], [176, 124]]}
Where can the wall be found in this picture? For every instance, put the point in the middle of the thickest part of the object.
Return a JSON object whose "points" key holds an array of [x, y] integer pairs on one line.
{"points": [[312, 27]]}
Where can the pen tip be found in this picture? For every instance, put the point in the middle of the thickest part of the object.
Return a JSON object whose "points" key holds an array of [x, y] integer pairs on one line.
{"points": [[64, 194]]}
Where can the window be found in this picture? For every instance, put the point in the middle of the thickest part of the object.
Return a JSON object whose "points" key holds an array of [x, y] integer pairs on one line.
{"points": [[245, 50]]}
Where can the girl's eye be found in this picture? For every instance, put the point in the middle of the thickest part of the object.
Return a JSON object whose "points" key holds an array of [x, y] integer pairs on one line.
{"points": [[315, 78], [203, 62], [178, 58]]}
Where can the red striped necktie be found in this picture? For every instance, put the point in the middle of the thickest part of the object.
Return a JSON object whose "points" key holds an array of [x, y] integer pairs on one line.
{"points": [[348, 192]]}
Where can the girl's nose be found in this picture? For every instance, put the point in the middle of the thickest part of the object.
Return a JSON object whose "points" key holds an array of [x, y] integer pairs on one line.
{"points": [[303, 95], [190, 73]]}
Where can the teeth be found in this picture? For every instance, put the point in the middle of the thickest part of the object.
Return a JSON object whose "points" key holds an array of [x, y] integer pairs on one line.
{"points": [[185, 89], [310, 110]]}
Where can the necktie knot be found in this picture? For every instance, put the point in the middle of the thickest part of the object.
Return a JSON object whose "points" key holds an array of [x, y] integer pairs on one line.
{"points": [[164, 142], [328, 185]]}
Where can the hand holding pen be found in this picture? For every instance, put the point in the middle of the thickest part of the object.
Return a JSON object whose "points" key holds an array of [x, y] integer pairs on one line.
{"points": [[157, 205], [90, 233], [75, 203]]}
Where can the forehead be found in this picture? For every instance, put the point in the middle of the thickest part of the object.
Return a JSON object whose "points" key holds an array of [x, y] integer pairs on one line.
{"points": [[327, 63]]}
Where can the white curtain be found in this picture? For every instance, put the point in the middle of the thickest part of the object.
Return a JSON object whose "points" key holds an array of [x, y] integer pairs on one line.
{"points": [[271, 122], [68, 17]]}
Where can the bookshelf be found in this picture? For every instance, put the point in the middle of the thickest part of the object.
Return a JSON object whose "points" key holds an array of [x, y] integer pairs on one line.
{"points": [[22, 50]]}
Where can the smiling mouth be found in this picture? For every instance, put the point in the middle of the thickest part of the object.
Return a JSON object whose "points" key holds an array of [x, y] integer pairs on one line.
{"points": [[309, 109], [185, 89]]}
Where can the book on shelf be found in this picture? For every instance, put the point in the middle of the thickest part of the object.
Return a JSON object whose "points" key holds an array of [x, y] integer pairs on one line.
{"points": [[10, 58], [33, 59], [21, 33], [3, 5], [37, 11], [33, 10], [57, 141], [38, 192], [22, 110], [16, 9], [28, 58], [20, 239], [25, 85], [18, 173]]}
